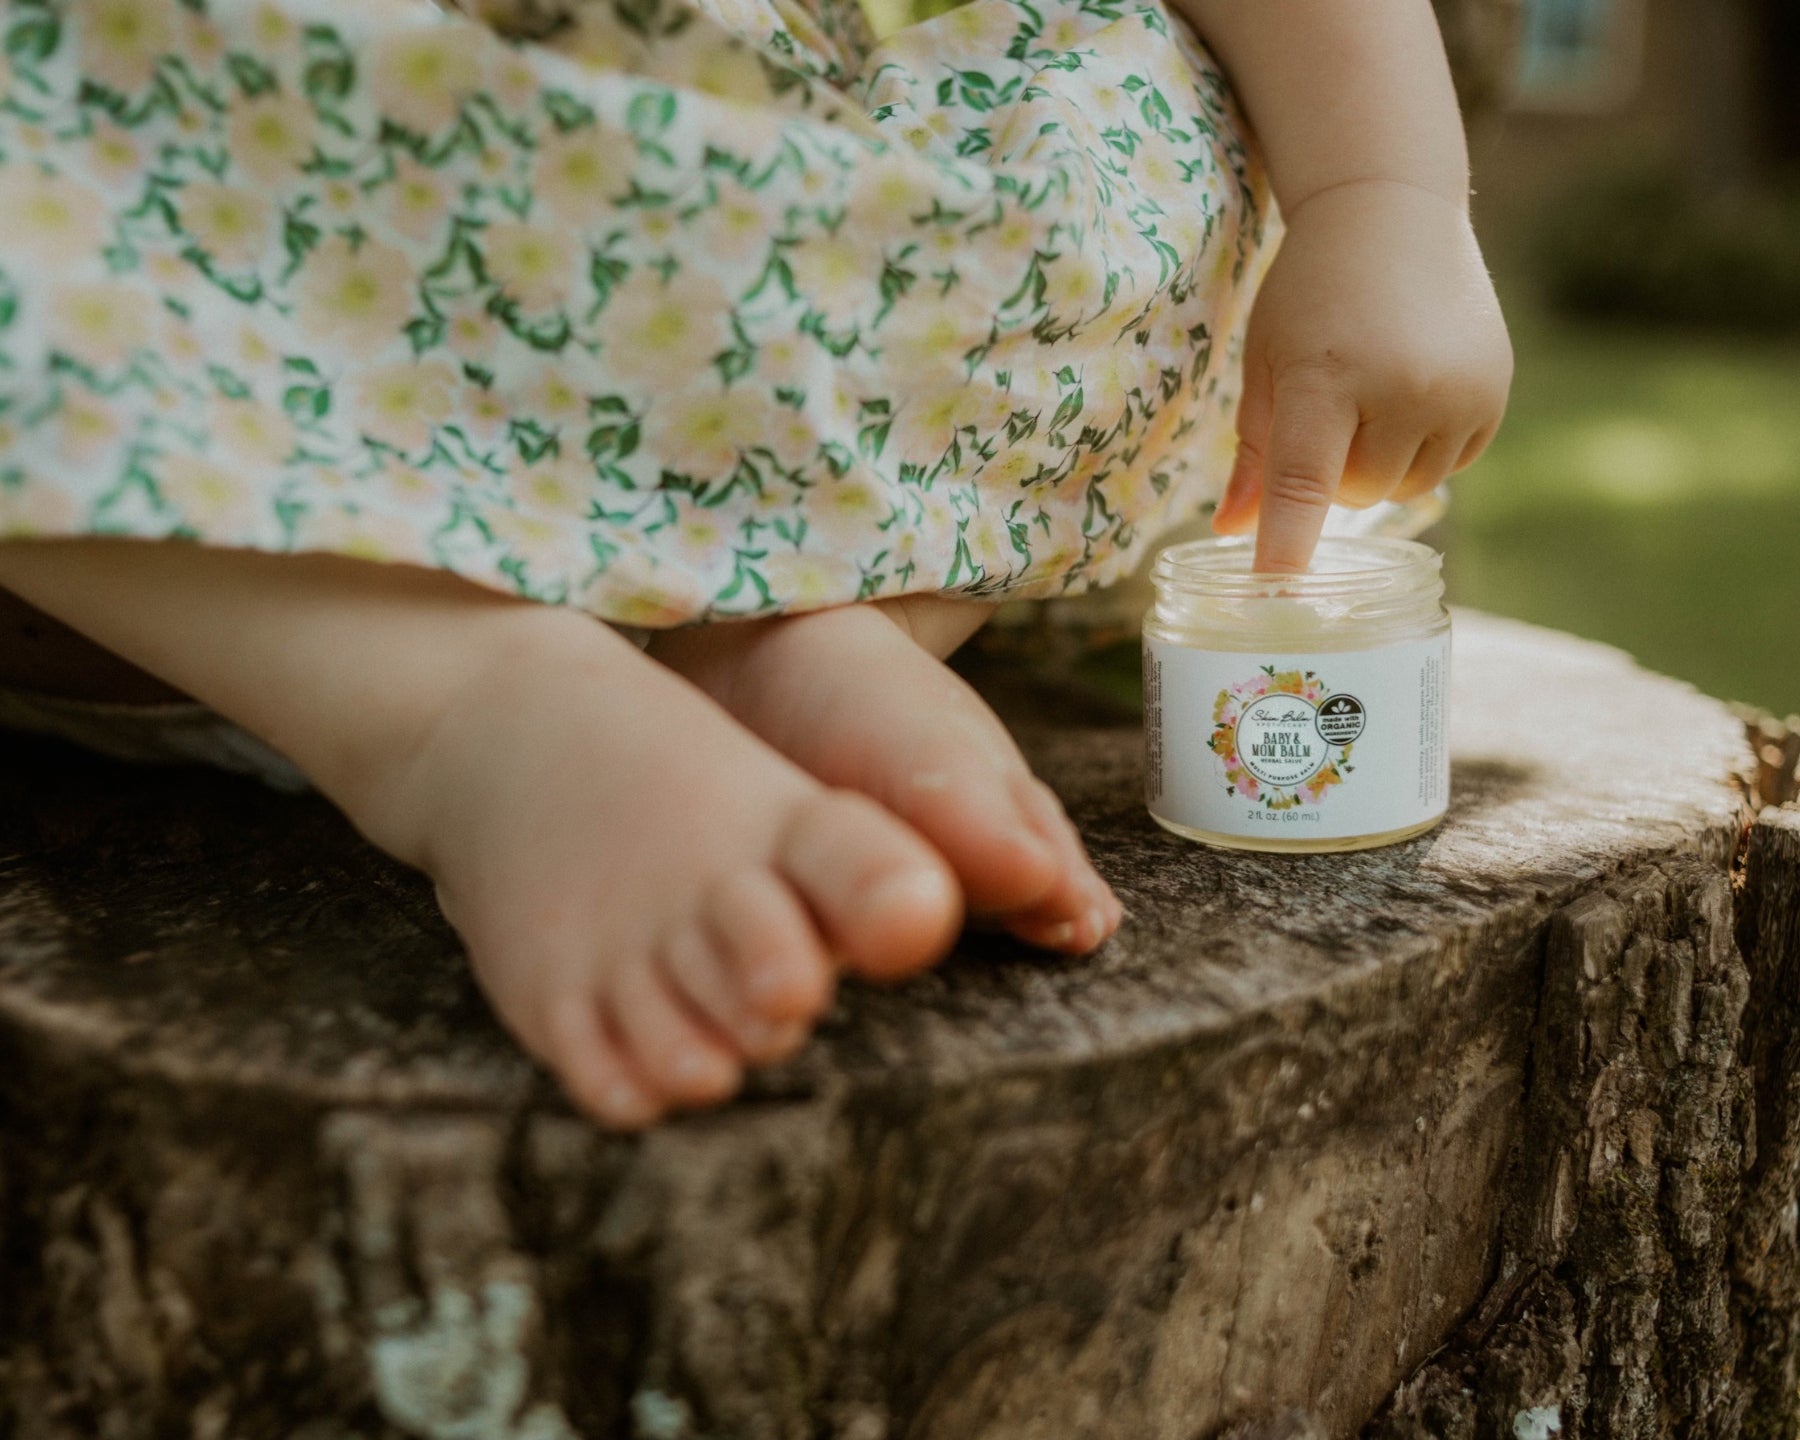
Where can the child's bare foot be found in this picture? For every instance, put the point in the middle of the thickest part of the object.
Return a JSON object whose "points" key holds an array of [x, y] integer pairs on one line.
{"points": [[852, 696], [651, 897]]}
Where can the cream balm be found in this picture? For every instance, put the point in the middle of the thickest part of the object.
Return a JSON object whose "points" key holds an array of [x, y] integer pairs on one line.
{"points": [[1297, 712]]}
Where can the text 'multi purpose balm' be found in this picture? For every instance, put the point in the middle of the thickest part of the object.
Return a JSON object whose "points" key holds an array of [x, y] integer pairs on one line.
{"points": [[1298, 712]]}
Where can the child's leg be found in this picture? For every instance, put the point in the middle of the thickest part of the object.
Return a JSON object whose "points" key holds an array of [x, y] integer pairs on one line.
{"points": [[651, 898], [858, 697]]}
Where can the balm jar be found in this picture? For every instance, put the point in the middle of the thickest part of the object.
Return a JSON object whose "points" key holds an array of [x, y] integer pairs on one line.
{"points": [[1297, 712]]}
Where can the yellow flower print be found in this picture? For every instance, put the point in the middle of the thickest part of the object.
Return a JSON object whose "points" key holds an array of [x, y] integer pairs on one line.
{"points": [[533, 264], [545, 546], [180, 343], [841, 515], [472, 334], [409, 485], [598, 41], [124, 39], [703, 430], [114, 156], [275, 32], [990, 543], [423, 77], [654, 225], [359, 298], [418, 204], [86, 428], [402, 405], [31, 510], [788, 361], [484, 416], [735, 228], [1074, 284], [361, 536], [1157, 161], [203, 45], [549, 398], [1032, 132], [696, 540], [211, 498], [923, 335], [705, 59], [839, 275], [270, 137], [340, 199], [665, 335], [254, 348], [789, 435], [1054, 550], [251, 432], [635, 589], [931, 416], [561, 488], [1012, 468], [102, 324], [53, 219], [515, 84], [981, 27], [1009, 242], [1064, 31], [230, 225], [579, 174], [806, 581]]}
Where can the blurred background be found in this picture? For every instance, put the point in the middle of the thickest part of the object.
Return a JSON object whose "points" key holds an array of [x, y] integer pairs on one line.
{"points": [[1637, 168], [1637, 175]]}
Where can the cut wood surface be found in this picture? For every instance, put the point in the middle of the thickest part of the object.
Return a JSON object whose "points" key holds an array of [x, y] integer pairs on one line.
{"points": [[1494, 1129]]}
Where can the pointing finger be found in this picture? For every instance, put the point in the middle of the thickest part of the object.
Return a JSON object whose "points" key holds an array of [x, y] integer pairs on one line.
{"points": [[1310, 435]]}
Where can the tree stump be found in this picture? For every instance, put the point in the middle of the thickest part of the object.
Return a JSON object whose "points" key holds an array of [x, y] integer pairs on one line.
{"points": [[1492, 1134]]}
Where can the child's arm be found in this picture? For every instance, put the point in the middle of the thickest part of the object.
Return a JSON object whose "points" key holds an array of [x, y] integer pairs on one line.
{"points": [[1377, 361]]}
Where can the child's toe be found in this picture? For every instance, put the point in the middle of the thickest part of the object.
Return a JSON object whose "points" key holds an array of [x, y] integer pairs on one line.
{"points": [[967, 806], [1079, 910], [680, 1056], [782, 974], [595, 1075], [884, 900]]}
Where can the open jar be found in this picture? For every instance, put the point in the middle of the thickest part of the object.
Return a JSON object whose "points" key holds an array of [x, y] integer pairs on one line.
{"points": [[1297, 712]]}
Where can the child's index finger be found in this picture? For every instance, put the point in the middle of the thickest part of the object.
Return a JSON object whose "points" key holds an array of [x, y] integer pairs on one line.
{"points": [[1309, 441]]}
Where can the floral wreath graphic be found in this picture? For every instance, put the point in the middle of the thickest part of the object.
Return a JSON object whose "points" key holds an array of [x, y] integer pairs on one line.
{"points": [[1229, 708]]}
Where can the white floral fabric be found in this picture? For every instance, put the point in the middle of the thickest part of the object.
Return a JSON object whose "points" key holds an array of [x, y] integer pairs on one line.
{"points": [[668, 311]]}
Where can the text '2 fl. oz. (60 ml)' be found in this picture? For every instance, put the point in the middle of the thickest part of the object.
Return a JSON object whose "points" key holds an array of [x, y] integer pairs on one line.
{"points": [[1298, 712]]}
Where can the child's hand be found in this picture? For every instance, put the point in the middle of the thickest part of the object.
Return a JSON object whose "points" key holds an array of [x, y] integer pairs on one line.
{"points": [[1377, 363]]}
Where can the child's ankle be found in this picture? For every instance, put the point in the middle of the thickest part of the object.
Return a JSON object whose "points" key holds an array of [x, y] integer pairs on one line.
{"points": [[394, 774]]}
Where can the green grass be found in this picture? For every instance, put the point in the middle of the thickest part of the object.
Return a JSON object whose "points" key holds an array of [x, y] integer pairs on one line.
{"points": [[1645, 491]]}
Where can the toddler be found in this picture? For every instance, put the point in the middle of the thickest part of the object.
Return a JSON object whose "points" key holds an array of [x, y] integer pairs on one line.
{"points": [[572, 433]]}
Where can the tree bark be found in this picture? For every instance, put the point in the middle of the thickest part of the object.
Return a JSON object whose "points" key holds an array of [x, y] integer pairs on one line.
{"points": [[1490, 1131]]}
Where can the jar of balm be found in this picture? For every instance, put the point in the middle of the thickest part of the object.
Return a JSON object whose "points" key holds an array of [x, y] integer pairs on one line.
{"points": [[1297, 712]]}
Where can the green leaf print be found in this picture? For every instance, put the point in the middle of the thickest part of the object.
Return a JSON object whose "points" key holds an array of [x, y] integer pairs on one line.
{"points": [[565, 111], [34, 39], [307, 402], [1155, 109], [650, 113]]}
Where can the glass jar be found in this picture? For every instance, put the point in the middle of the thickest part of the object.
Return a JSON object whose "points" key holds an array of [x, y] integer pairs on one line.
{"points": [[1297, 712]]}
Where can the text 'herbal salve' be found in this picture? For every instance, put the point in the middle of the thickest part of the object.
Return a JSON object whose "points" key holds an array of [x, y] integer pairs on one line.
{"points": [[1297, 712]]}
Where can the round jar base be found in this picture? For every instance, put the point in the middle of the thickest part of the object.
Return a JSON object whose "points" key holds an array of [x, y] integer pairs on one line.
{"points": [[1275, 846]]}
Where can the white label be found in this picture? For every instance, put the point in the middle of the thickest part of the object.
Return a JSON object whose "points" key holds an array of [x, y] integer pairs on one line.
{"points": [[1297, 747]]}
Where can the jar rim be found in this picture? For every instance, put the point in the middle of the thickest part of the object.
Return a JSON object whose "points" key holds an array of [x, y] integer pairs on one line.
{"points": [[1342, 565]]}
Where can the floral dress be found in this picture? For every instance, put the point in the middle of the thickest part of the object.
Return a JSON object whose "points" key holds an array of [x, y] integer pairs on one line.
{"points": [[670, 311]]}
